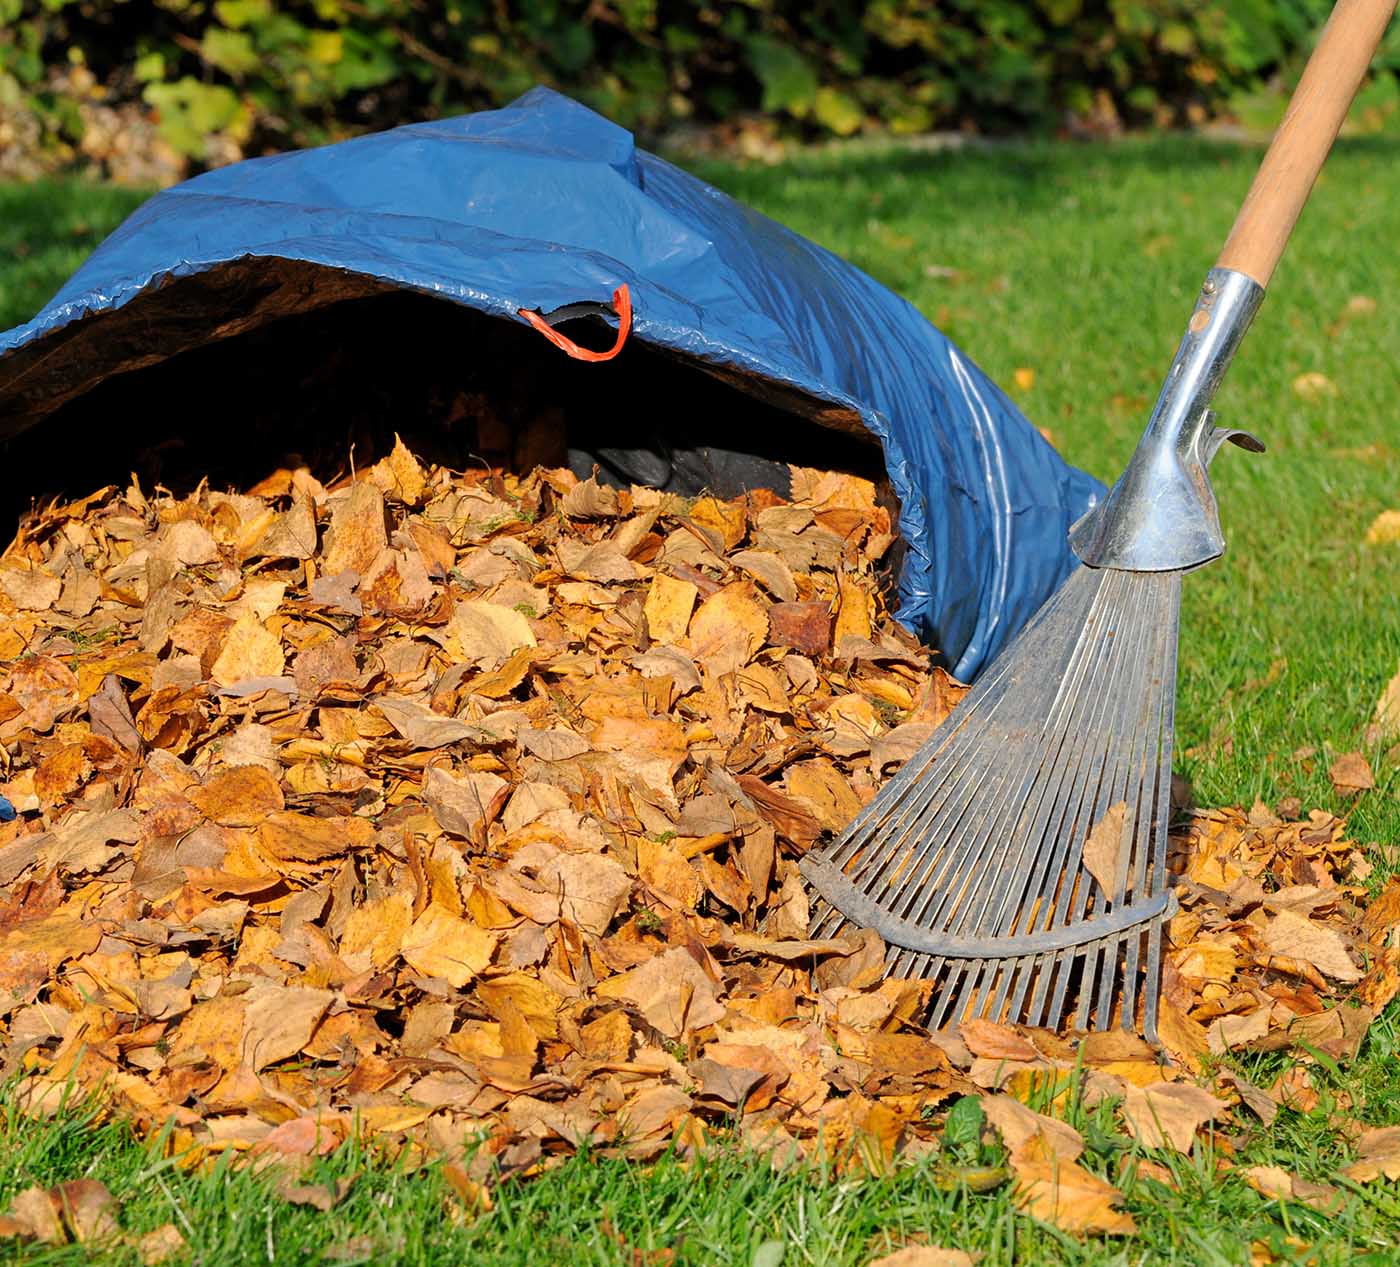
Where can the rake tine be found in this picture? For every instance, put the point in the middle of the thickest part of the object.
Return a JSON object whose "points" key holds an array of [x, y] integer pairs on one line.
{"points": [[1040, 859], [1110, 791], [983, 846]]}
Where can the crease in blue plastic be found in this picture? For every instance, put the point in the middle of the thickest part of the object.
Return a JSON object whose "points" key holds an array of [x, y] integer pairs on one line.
{"points": [[545, 203]]}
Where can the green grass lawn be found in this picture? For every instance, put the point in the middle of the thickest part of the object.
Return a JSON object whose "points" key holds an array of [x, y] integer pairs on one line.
{"points": [[1080, 264]]}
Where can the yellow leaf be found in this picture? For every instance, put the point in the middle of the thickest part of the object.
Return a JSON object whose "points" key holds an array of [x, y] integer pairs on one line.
{"points": [[728, 630], [526, 995], [357, 533], [1314, 386], [853, 615], [241, 797], [250, 650], [289, 837], [488, 632], [378, 927], [1384, 529], [1070, 1197], [668, 607], [1388, 709], [440, 944]]}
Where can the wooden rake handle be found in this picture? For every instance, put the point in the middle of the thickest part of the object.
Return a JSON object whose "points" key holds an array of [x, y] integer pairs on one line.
{"points": [[1300, 146]]}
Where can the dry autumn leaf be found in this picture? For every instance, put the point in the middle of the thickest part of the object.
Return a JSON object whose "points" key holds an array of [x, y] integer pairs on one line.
{"points": [[1351, 774], [1388, 709], [1297, 938], [1105, 847], [1384, 529], [1313, 386], [924, 1256]]}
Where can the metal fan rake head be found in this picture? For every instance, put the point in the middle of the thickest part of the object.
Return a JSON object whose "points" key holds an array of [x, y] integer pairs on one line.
{"points": [[970, 862]]}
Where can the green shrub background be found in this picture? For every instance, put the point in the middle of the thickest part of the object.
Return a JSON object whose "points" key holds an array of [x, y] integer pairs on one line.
{"points": [[244, 76]]}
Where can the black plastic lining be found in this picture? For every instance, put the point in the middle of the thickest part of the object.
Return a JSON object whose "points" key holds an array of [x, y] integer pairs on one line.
{"points": [[353, 364]]}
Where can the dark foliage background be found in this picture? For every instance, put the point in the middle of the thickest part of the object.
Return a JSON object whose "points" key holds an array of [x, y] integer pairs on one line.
{"points": [[211, 81]]}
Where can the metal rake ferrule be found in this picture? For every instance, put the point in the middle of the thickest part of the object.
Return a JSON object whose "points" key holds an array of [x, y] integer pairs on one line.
{"points": [[1161, 515]]}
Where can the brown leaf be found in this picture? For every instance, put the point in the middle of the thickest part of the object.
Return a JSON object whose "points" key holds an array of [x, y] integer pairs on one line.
{"points": [[320, 1196], [1106, 846], [727, 1086], [924, 1256], [34, 1215], [1168, 1114], [1388, 710], [1307, 941], [357, 533], [995, 1041], [463, 806], [279, 1021], [592, 889], [1070, 1197], [805, 627], [654, 1111], [728, 629], [1351, 773], [1275, 1182], [671, 990], [422, 727], [1377, 1156], [1020, 1127], [161, 1245], [790, 818]]}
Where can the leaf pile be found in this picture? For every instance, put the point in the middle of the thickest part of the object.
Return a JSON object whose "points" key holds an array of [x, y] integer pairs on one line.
{"points": [[439, 807]]}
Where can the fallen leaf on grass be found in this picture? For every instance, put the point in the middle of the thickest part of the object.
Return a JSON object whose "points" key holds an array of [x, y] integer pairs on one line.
{"points": [[1275, 1182], [1026, 1132], [320, 1196], [1384, 529], [1070, 1197], [1378, 1156], [1314, 386], [1351, 774], [1388, 709], [161, 1245], [81, 1210], [1168, 1114], [924, 1256]]}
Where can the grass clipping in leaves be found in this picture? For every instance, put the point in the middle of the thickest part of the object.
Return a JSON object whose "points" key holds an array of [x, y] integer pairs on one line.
{"points": [[438, 808]]}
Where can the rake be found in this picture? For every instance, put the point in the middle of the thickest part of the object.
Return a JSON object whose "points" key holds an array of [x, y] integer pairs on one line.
{"points": [[1018, 859]]}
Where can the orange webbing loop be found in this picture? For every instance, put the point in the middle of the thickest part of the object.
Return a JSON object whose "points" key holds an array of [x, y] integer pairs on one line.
{"points": [[622, 305]]}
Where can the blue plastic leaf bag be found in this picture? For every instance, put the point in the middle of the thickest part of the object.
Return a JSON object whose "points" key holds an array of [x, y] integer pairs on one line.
{"points": [[545, 204]]}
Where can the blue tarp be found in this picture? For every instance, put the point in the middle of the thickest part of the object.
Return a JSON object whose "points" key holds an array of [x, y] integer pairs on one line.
{"points": [[544, 204]]}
